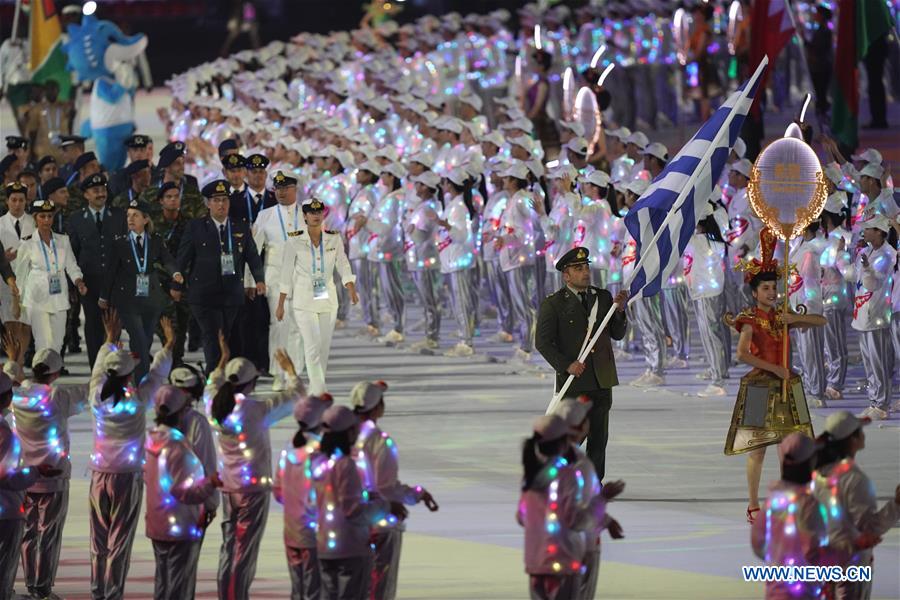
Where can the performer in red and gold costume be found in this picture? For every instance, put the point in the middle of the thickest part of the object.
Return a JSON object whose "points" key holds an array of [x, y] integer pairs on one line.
{"points": [[763, 413]]}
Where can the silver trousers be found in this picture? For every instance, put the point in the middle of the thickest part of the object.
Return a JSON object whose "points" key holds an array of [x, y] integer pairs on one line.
{"points": [[712, 328], [462, 300], [364, 287], [499, 293], [391, 290], [115, 511], [835, 338], [878, 360], [45, 516], [811, 352], [895, 339], [176, 569], [427, 286], [243, 526], [675, 318], [522, 308], [587, 588], [649, 323], [11, 531], [386, 564], [303, 567], [346, 578]]}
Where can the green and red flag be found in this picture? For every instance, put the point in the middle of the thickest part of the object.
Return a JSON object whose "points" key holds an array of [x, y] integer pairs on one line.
{"points": [[48, 60]]}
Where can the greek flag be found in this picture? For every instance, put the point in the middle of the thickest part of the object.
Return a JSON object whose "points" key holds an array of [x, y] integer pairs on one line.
{"points": [[664, 218]]}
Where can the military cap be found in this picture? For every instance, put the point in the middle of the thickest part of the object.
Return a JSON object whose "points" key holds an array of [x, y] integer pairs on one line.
{"points": [[42, 206], [227, 145], [45, 160], [169, 185], [95, 180], [137, 140], [216, 187], [170, 154], [69, 140], [282, 181], [83, 159], [6, 163], [257, 161], [52, 185], [234, 161], [576, 256], [313, 205], [138, 165], [15, 188], [140, 205], [14, 142]]}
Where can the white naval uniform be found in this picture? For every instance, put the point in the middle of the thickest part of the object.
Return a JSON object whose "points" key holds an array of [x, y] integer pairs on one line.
{"points": [[872, 318], [270, 232], [46, 312], [314, 317], [11, 241]]}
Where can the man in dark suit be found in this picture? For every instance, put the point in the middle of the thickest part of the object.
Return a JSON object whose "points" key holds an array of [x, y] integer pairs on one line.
{"points": [[92, 232], [213, 254], [561, 329], [171, 170], [138, 147]]}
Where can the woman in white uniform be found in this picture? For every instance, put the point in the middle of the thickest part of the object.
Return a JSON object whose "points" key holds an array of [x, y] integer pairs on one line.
{"points": [[307, 278], [43, 263]]}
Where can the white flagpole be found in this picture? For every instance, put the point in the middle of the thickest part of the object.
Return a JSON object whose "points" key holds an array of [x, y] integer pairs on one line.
{"points": [[675, 206]]}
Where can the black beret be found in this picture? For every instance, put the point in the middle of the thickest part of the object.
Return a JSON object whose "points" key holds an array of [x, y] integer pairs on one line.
{"points": [[68, 140], [138, 165], [83, 159], [234, 161], [169, 185], [282, 181], [137, 140], [15, 188], [46, 160], [169, 154], [42, 206], [6, 163], [52, 185], [575, 256], [217, 187], [95, 180], [226, 145], [14, 142], [257, 161], [140, 205], [314, 205]]}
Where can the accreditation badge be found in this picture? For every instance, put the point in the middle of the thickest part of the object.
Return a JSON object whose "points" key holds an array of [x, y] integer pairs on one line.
{"points": [[142, 285], [227, 263], [320, 291], [55, 284]]}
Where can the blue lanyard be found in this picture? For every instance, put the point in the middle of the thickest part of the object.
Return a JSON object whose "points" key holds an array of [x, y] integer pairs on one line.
{"points": [[312, 251], [141, 267], [281, 220], [46, 256], [228, 233], [130, 196], [248, 197]]}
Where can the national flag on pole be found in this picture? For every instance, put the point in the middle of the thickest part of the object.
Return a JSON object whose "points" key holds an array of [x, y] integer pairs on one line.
{"points": [[48, 61], [860, 23], [771, 28], [663, 220]]}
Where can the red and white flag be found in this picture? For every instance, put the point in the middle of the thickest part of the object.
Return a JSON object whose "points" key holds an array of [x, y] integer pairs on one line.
{"points": [[771, 28]]}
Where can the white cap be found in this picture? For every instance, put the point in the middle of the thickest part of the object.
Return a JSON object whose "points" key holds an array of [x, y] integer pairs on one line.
{"points": [[309, 409], [388, 152], [637, 187], [577, 145], [428, 178], [869, 155], [573, 411], [658, 150], [495, 137], [873, 170], [842, 424], [170, 397], [550, 427], [833, 173], [835, 202], [638, 139], [457, 176], [520, 124], [621, 133], [423, 158], [877, 221], [574, 126], [371, 166], [367, 394], [509, 102], [49, 358], [523, 141], [743, 166], [240, 371], [561, 171], [472, 100], [596, 177], [339, 418], [796, 448], [740, 148], [451, 124], [394, 169], [119, 362], [517, 170]]}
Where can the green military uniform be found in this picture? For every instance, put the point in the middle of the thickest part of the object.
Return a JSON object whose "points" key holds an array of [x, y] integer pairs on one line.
{"points": [[179, 312], [561, 328]]}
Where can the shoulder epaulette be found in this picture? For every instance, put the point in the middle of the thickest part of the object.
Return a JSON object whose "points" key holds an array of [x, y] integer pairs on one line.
{"points": [[295, 233], [26, 238], [330, 232]]}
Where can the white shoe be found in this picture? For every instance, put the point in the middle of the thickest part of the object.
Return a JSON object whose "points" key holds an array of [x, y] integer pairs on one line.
{"points": [[677, 363], [278, 384], [833, 394], [392, 337], [340, 324], [875, 413], [620, 354], [640, 380], [521, 355], [502, 337], [704, 375], [460, 350], [711, 391], [653, 380], [372, 331], [815, 402], [425, 344]]}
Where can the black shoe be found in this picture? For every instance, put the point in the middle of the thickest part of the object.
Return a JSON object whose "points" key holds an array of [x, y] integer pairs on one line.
{"points": [[193, 347], [76, 349], [64, 371], [876, 126]]}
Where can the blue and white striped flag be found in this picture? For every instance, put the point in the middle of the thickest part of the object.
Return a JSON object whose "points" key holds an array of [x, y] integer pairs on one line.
{"points": [[664, 218]]}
